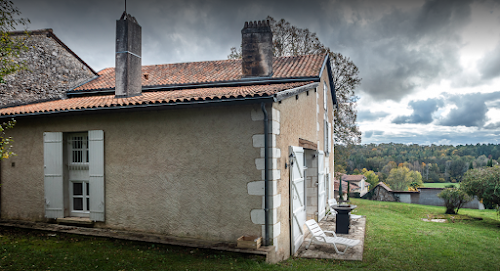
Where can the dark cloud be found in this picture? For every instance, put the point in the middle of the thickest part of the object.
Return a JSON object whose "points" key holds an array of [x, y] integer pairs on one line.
{"points": [[489, 65], [404, 48], [172, 31], [422, 111], [492, 126], [367, 115], [470, 109]]}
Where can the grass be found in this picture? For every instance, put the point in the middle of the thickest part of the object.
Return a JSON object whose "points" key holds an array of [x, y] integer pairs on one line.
{"points": [[396, 239], [440, 185]]}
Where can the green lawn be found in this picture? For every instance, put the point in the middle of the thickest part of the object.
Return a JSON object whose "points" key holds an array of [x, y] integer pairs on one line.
{"points": [[396, 239], [440, 185]]}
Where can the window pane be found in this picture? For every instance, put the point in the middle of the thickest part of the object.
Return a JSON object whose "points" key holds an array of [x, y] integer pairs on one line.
{"points": [[87, 189], [78, 204], [77, 189], [88, 206]]}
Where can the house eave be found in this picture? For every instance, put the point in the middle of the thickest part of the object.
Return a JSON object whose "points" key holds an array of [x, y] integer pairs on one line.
{"points": [[294, 91], [267, 99]]}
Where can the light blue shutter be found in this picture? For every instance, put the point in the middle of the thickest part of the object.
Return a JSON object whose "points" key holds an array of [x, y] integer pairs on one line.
{"points": [[96, 174], [53, 174]]}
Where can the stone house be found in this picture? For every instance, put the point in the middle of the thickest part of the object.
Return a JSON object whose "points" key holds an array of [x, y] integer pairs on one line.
{"points": [[51, 69], [202, 151]]}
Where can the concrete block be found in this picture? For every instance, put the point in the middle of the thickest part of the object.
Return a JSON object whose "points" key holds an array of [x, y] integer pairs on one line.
{"points": [[275, 127], [257, 188], [258, 216], [273, 152], [258, 141], [260, 163], [276, 230], [274, 201], [274, 174], [275, 115]]}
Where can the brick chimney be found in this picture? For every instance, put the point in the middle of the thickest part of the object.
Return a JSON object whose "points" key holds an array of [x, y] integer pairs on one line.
{"points": [[257, 49], [128, 81]]}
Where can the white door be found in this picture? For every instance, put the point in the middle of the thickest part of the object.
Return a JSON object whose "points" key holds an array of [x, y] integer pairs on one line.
{"points": [[297, 197], [321, 186], [78, 174]]}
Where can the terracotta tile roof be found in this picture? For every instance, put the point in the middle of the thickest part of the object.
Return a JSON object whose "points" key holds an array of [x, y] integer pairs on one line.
{"points": [[384, 186], [157, 97], [355, 178], [209, 72], [336, 184]]}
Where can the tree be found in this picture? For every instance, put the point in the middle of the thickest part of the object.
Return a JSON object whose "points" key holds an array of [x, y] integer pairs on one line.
{"points": [[10, 47], [454, 199], [6, 142], [371, 177], [398, 179], [484, 183], [289, 40], [401, 178]]}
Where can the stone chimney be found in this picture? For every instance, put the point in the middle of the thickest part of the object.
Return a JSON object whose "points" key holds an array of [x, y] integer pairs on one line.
{"points": [[128, 81], [257, 49]]}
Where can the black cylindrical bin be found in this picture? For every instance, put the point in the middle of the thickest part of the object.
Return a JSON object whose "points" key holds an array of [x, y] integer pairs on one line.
{"points": [[343, 218]]}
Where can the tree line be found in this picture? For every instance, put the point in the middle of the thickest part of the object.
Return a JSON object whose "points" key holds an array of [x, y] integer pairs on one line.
{"points": [[435, 163]]}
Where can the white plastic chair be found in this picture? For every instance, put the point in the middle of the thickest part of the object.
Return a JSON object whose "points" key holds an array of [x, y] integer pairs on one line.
{"points": [[318, 236], [332, 213]]}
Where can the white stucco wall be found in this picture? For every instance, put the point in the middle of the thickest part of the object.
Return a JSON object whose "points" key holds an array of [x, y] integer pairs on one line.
{"points": [[181, 172]]}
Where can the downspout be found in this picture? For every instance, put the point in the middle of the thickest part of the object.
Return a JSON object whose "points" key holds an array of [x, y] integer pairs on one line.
{"points": [[266, 175]]}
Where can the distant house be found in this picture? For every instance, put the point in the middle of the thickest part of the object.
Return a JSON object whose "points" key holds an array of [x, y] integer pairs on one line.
{"points": [[201, 151], [359, 181], [344, 188]]}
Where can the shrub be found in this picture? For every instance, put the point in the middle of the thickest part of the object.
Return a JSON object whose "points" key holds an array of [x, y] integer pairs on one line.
{"points": [[454, 199]]}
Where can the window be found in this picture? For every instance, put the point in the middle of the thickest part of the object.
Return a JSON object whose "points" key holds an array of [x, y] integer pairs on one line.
{"points": [[79, 151], [325, 95], [328, 137], [78, 174], [74, 183]]}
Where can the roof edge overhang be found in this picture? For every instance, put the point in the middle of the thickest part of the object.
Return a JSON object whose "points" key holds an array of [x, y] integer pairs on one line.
{"points": [[327, 65], [293, 91], [242, 82], [237, 100]]}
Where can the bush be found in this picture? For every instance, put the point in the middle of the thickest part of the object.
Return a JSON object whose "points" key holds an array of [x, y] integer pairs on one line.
{"points": [[454, 199], [485, 184]]}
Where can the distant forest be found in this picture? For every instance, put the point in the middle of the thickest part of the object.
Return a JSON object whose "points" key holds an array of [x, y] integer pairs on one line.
{"points": [[435, 163]]}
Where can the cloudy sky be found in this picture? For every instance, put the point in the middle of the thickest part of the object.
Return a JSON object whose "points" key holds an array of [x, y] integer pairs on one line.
{"points": [[430, 69]]}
